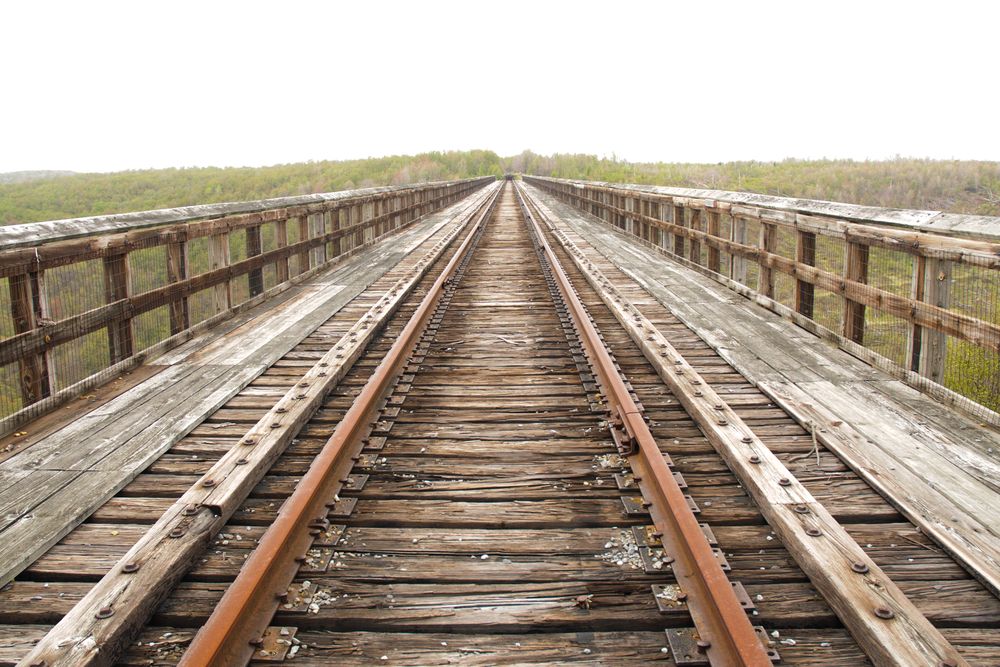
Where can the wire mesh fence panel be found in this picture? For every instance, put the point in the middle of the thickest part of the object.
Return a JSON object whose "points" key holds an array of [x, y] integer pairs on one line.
{"points": [[828, 308], [6, 319], [973, 370], [784, 289], [10, 389], [77, 359], [147, 269], [891, 271], [294, 267], [151, 327], [239, 289], [201, 306], [75, 288]]}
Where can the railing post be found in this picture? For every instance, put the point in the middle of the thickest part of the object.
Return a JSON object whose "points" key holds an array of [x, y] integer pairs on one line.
{"points": [[177, 271], [664, 217], [768, 241], [116, 287], [738, 263], [369, 215], [255, 278], [855, 269], [928, 348], [714, 227], [304, 256], [281, 241], [805, 253], [319, 229], [679, 238], [218, 258], [333, 247], [27, 307], [694, 248]]}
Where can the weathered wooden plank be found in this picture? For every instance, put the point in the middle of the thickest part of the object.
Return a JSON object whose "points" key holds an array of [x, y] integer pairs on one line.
{"points": [[787, 506], [919, 496], [232, 478], [930, 221], [14, 236]]}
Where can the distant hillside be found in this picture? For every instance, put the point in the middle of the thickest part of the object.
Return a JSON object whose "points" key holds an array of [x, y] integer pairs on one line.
{"points": [[957, 186], [24, 176]]}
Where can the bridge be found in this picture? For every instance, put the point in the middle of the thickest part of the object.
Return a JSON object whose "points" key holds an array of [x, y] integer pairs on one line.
{"points": [[520, 421]]}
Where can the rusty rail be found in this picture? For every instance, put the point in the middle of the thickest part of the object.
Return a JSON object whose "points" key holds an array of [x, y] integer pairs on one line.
{"points": [[233, 630], [725, 634]]}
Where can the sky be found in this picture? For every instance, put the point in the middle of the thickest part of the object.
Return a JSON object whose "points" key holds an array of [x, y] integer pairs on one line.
{"points": [[106, 86]]}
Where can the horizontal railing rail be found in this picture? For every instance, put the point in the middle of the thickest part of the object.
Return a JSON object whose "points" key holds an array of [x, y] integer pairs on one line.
{"points": [[91, 295], [916, 293]]}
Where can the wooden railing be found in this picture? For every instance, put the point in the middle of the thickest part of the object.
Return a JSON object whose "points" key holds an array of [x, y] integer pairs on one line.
{"points": [[89, 297], [914, 292]]}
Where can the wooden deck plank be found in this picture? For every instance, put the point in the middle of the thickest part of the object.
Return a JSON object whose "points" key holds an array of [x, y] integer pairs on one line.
{"points": [[882, 448], [125, 434]]}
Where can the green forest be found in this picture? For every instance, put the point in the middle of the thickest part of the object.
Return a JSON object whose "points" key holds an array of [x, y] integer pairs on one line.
{"points": [[956, 186]]}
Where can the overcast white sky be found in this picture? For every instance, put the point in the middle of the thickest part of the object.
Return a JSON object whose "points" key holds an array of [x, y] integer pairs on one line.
{"points": [[101, 86]]}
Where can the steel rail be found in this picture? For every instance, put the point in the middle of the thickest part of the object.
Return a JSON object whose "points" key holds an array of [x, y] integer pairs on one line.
{"points": [[725, 634], [232, 632]]}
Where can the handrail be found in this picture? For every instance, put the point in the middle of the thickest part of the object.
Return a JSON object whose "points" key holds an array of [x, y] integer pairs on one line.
{"points": [[916, 293], [88, 296]]}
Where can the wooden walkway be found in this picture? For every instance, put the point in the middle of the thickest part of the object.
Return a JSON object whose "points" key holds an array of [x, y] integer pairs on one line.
{"points": [[488, 515], [939, 467], [78, 458]]}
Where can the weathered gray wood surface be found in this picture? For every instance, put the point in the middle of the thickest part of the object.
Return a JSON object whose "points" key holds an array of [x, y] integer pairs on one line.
{"points": [[17, 236], [937, 466], [63, 476], [972, 226]]}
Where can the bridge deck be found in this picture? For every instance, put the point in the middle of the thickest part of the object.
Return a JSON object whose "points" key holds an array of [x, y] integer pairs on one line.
{"points": [[939, 467], [486, 517], [72, 461]]}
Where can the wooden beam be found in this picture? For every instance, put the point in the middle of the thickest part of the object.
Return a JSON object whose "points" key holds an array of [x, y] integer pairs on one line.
{"points": [[767, 242], [679, 237], [304, 233], [177, 272], [33, 368], [714, 229], [694, 249], [855, 270], [805, 253], [116, 288], [281, 241], [738, 263], [255, 278], [934, 343], [218, 258]]}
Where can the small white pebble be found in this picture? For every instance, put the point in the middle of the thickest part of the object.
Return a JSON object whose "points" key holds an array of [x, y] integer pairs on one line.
{"points": [[664, 650], [484, 556], [825, 644], [775, 634], [586, 651], [384, 657], [444, 643]]}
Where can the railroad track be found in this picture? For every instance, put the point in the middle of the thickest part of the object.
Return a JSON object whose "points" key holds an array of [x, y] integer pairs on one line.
{"points": [[501, 452]]}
